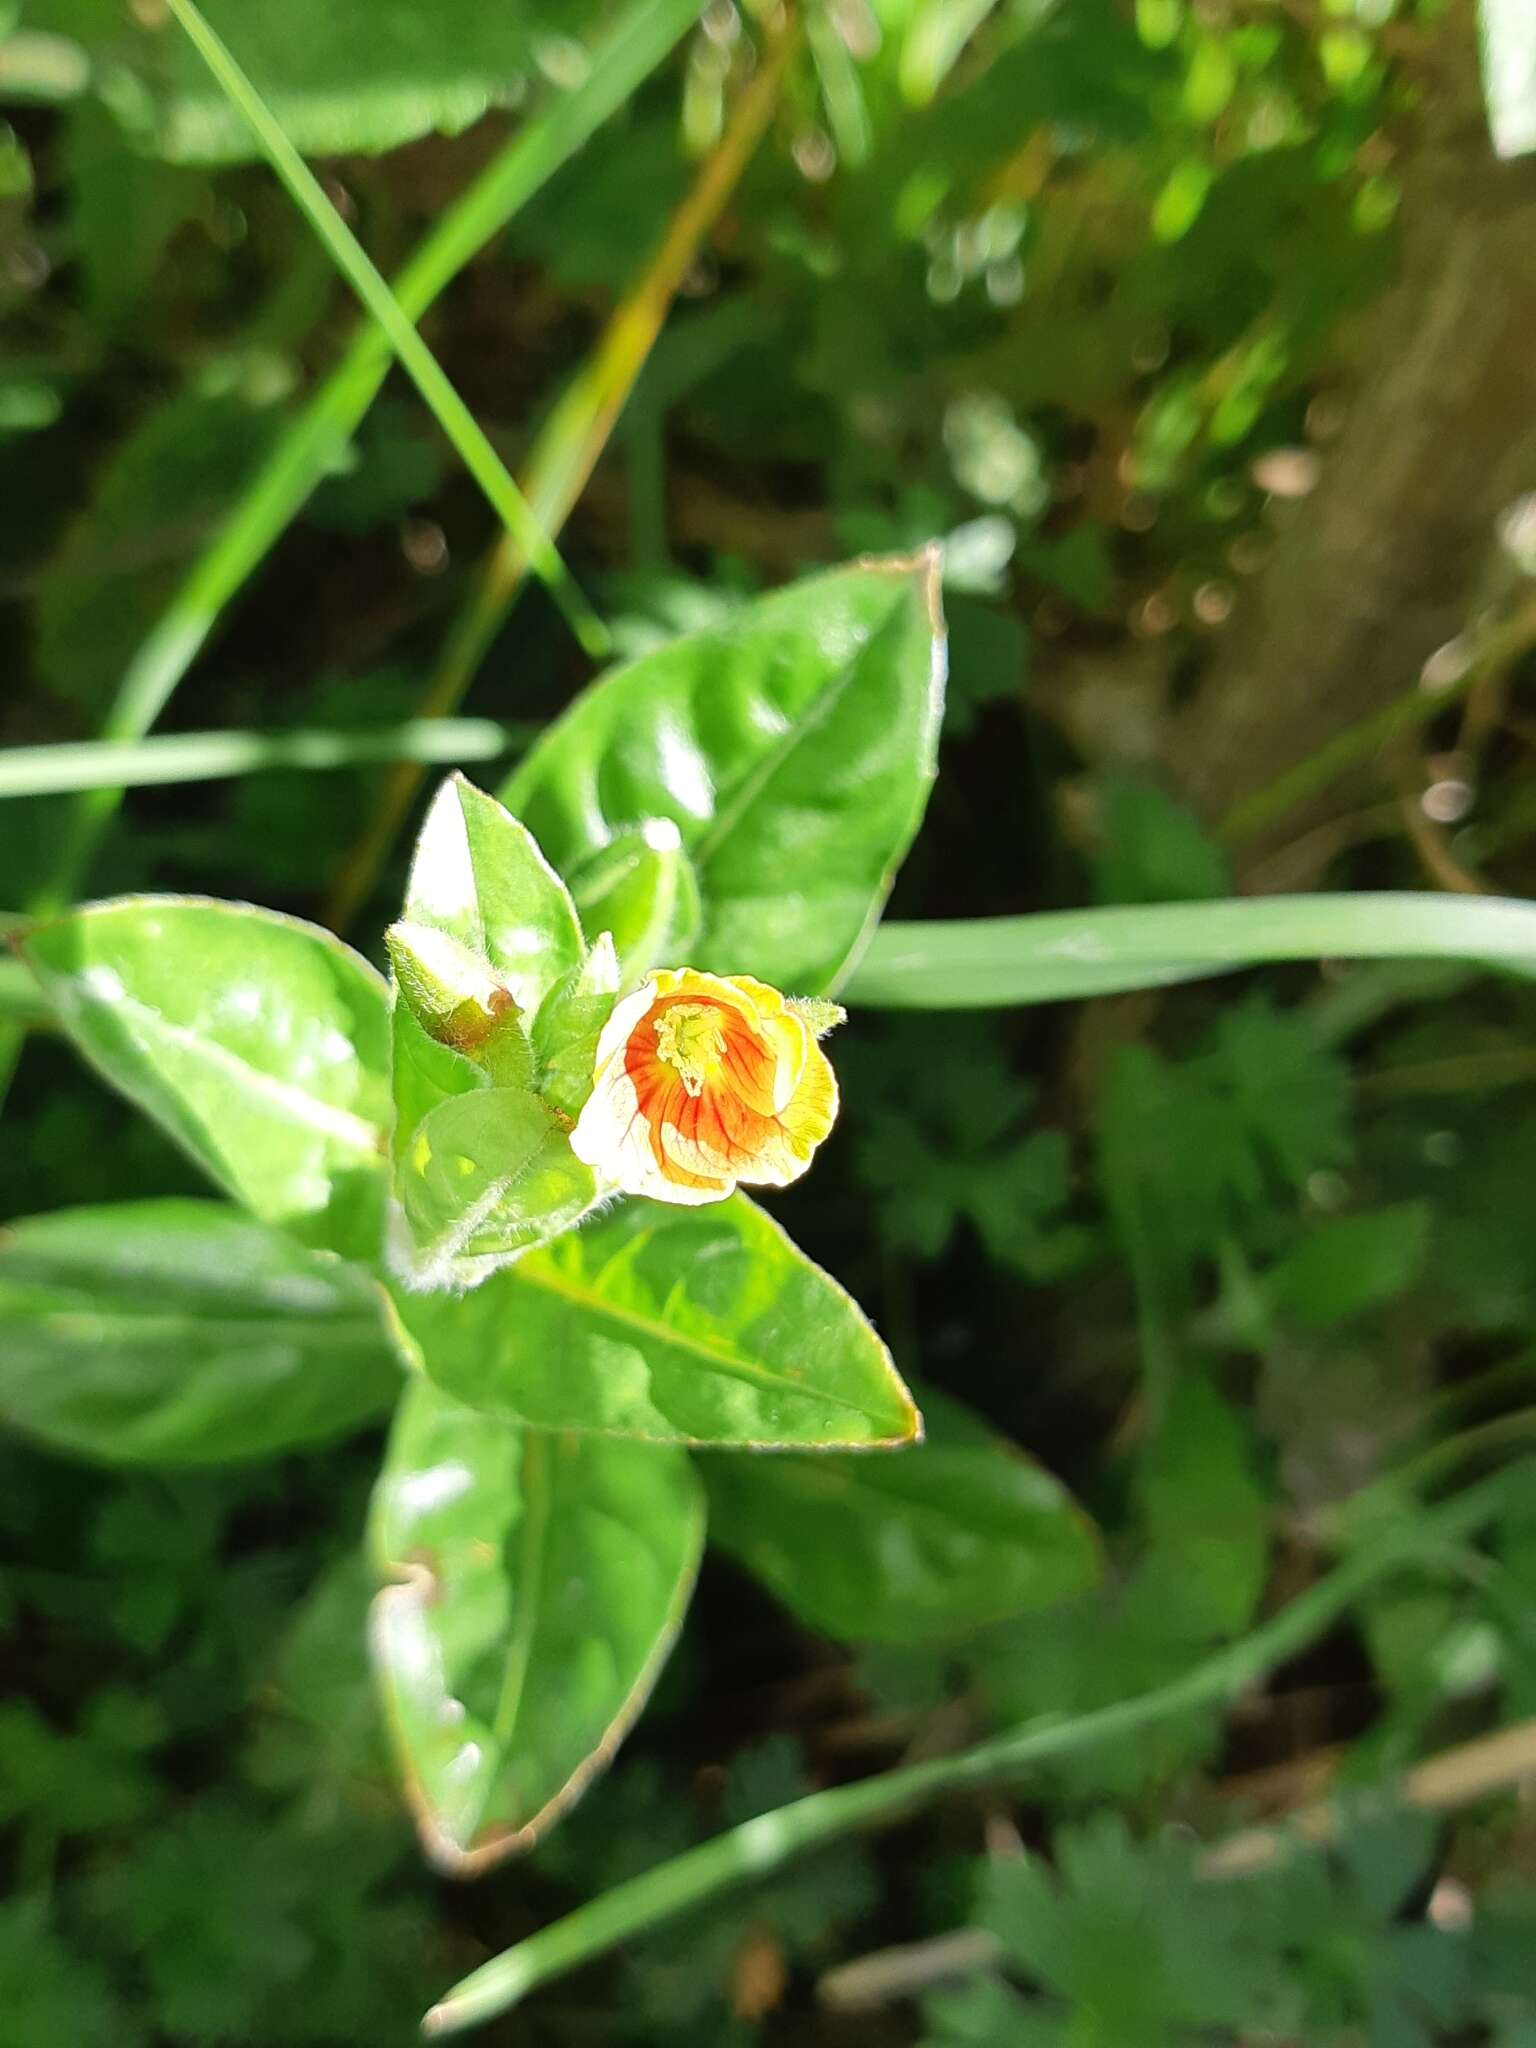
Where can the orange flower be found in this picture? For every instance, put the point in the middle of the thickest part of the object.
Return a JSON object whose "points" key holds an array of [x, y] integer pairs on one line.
{"points": [[704, 1080]]}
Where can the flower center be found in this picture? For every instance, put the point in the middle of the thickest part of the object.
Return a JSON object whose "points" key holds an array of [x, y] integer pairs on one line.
{"points": [[688, 1038]]}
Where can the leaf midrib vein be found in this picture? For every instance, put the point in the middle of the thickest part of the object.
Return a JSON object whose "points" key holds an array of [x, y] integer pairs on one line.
{"points": [[755, 778], [342, 1125], [723, 1361]]}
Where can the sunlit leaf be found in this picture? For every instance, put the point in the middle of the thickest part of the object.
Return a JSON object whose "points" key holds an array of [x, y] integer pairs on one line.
{"points": [[1061, 955], [569, 1024], [260, 1043], [485, 1174], [676, 1325], [542, 1579], [184, 1333], [792, 747]]}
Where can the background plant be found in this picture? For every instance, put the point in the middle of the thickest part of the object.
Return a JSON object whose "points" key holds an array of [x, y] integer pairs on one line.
{"points": [[1190, 333]]}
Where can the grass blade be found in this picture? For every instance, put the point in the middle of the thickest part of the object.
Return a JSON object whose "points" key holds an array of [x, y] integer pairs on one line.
{"points": [[1064, 955], [21, 1000], [645, 34], [565, 454], [418, 361], [71, 767]]}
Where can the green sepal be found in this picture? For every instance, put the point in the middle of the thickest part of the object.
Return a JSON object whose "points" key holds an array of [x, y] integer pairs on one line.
{"points": [[457, 1000], [569, 1024], [818, 1014]]}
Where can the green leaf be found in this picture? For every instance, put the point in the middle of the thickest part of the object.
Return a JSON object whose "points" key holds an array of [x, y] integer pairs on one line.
{"points": [[1180, 202], [1347, 1264], [964, 1531], [568, 1026], [181, 1332], [642, 889], [259, 1042], [478, 876], [1207, 1516], [1058, 956], [1509, 73], [542, 1581], [351, 75], [1286, 1091], [702, 1326], [486, 1174], [792, 746], [1144, 1954], [1154, 850]]}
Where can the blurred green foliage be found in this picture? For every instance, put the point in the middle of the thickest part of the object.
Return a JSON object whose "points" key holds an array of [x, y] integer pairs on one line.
{"points": [[1248, 1266]]}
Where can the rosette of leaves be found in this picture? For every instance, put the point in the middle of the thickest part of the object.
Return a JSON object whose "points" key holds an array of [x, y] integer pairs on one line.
{"points": [[403, 1224]]}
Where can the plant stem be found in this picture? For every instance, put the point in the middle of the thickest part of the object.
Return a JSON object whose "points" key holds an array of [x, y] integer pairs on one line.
{"points": [[1064, 955], [418, 361], [563, 458], [216, 756], [763, 1845]]}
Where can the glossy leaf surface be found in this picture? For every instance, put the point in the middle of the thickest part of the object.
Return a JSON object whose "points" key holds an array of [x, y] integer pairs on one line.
{"points": [[959, 1532], [688, 1325], [478, 876], [260, 1043], [542, 1580], [485, 1174], [643, 891], [182, 1332], [792, 746]]}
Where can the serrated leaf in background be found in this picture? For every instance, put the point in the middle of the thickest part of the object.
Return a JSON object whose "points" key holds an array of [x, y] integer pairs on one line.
{"points": [[184, 1333], [478, 875]]}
